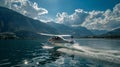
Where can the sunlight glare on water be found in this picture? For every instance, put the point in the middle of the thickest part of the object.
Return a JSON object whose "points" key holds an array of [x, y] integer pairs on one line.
{"points": [[25, 62]]}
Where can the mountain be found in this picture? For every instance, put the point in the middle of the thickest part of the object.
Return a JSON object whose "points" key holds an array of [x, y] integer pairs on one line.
{"points": [[75, 31], [98, 32], [11, 21], [26, 28], [112, 34]]}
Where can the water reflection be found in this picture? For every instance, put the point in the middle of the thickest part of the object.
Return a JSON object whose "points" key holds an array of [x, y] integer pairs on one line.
{"points": [[30, 54]]}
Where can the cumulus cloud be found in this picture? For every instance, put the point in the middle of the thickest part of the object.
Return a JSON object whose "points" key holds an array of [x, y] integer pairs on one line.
{"points": [[101, 20], [25, 7], [106, 20], [76, 18]]}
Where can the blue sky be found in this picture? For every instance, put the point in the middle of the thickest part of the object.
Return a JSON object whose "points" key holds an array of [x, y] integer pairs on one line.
{"points": [[55, 6], [92, 14]]}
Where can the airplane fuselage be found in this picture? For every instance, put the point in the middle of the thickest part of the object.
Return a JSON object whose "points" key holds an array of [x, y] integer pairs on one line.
{"points": [[59, 40]]}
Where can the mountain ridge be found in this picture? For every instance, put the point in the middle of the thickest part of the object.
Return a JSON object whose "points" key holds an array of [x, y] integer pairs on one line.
{"points": [[11, 21], [75, 31]]}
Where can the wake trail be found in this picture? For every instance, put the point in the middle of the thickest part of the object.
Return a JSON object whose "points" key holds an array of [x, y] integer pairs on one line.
{"points": [[88, 52]]}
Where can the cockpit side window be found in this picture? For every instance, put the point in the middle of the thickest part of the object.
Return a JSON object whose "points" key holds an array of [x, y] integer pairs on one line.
{"points": [[57, 38]]}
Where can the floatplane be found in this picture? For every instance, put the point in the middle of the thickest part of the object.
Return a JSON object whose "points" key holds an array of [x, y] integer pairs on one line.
{"points": [[59, 41]]}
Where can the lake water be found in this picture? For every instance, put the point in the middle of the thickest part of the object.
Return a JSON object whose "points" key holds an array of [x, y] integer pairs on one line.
{"points": [[29, 53]]}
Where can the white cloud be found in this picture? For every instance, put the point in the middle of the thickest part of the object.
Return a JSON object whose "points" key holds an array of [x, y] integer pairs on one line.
{"points": [[25, 7], [76, 18], [40, 10], [105, 20], [101, 20], [62, 17]]}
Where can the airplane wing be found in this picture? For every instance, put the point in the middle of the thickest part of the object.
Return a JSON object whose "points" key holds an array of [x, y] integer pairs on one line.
{"points": [[54, 35], [46, 34]]}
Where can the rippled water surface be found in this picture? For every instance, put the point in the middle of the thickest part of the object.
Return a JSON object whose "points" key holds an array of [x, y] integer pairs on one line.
{"points": [[86, 53]]}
